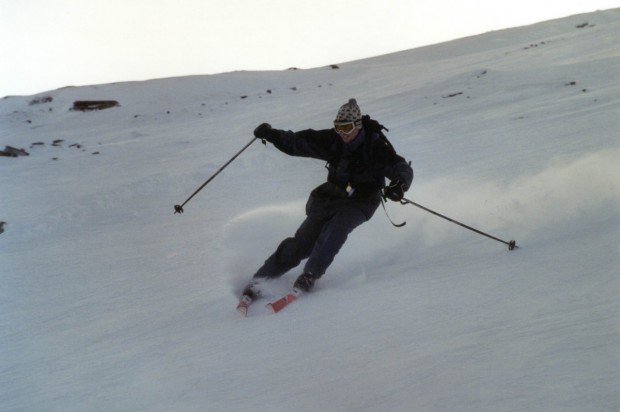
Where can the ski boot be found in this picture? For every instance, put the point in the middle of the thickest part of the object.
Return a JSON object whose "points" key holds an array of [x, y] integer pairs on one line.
{"points": [[304, 282]]}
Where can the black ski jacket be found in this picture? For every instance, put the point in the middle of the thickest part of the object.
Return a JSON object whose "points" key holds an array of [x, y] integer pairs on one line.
{"points": [[356, 170]]}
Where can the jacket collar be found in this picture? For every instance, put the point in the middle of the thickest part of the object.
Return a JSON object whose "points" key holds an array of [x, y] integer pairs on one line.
{"points": [[356, 143]]}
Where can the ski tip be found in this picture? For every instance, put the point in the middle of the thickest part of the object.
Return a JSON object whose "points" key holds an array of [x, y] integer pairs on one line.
{"points": [[242, 309]]}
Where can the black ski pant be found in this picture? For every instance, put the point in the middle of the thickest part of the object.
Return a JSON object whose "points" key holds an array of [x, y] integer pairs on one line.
{"points": [[317, 239]]}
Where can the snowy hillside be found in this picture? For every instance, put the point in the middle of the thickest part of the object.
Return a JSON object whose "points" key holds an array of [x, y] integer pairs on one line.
{"points": [[108, 301]]}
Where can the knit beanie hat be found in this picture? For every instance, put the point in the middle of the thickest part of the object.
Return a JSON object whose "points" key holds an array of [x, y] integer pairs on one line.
{"points": [[349, 112]]}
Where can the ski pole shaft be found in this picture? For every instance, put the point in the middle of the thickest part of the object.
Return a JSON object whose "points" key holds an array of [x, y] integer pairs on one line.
{"points": [[179, 208], [511, 244]]}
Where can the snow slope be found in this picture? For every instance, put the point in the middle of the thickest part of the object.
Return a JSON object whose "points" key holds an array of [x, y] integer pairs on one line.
{"points": [[108, 301]]}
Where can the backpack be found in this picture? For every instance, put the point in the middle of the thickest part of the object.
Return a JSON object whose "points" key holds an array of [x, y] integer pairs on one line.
{"points": [[373, 125], [376, 128]]}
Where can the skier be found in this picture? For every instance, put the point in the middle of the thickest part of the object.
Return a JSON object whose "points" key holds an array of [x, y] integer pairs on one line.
{"points": [[359, 158]]}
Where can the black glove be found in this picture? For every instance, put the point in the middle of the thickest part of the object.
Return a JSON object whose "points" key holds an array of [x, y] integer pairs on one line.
{"points": [[395, 191], [263, 131]]}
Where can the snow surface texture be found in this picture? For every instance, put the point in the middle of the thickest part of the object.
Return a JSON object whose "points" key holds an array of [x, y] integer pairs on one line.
{"points": [[110, 302]]}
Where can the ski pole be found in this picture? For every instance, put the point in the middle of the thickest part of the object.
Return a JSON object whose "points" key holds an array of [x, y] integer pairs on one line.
{"points": [[511, 244], [179, 208]]}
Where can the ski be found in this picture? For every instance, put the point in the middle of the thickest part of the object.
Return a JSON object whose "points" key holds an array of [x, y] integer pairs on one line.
{"points": [[251, 292], [283, 302], [244, 304]]}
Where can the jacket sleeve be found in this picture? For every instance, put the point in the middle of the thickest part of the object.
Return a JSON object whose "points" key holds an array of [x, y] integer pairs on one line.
{"points": [[318, 144], [395, 167]]}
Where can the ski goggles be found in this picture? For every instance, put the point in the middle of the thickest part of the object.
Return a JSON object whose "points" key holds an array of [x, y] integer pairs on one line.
{"points": [[345, 127]]}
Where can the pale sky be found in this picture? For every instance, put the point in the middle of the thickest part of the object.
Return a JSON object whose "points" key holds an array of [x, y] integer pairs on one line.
{"points": [[47, 44]]}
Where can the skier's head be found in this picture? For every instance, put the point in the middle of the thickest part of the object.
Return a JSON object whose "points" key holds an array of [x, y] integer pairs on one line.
{"points": [[348, 121], [349, 112]]}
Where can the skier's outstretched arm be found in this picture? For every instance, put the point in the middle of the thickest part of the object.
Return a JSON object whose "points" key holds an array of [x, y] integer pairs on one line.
{"points": [[306, 143]]}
